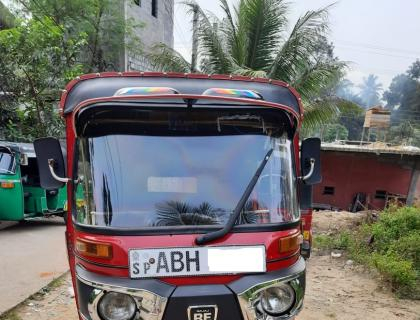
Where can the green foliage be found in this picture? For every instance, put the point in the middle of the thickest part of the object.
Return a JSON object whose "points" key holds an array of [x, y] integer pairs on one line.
{"points": [[340, 241], [103, 23], [335, 132], [55, 41], [390, 245], [34, 67], [398, 272], [403, 98], [252, 39]]}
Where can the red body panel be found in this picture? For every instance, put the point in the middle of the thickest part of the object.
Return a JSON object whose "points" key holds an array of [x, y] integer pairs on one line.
{"points": [[352, 172], [118, 264]]}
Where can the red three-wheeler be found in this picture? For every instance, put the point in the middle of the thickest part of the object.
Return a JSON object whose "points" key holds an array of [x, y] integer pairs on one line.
{"points": [[192, 190]]}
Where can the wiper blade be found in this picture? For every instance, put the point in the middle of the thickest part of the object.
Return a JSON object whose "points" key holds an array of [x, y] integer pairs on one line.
{"points": [[231, 222]]}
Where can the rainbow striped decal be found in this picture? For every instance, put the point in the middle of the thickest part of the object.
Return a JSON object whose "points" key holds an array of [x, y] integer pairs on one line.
{"points": [[144, 91], [249, 94]]}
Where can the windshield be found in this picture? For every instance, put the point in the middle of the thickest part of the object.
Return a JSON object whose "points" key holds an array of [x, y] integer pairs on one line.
{"points": [[187, 178], [7, 163]]}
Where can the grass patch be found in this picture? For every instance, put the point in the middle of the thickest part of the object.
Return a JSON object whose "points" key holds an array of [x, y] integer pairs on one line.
{"points": [[11, 315], [340, 241], [391, 245], [57, 282]]}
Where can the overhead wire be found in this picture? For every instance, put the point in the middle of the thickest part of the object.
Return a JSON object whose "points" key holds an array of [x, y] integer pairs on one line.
{"points": [[369, 51], [377, 47]]}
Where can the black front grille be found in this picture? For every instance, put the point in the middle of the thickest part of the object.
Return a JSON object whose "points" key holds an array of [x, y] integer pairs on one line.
{"points": [[205, 295]]}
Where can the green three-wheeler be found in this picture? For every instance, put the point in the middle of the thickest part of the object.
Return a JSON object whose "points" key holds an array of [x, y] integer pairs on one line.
{"points": [[21, 195]]}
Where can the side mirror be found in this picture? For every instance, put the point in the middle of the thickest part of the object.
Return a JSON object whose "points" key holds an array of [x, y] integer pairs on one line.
{"points": [[51, 165], [310, 161]]}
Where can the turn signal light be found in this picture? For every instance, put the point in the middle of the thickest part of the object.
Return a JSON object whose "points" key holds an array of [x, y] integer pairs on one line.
{"points": [[290, 243], [7, 185], [94, 249]]}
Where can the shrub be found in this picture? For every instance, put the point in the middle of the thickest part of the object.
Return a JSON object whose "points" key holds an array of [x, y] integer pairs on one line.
{"points": [[391, 245], [398, 272]]}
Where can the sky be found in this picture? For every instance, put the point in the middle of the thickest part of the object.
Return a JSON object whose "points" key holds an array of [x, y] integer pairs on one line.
{"points": [[380, 37]]}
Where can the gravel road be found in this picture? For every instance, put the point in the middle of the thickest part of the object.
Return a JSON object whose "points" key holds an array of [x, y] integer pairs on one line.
{"points": [[336, 288]]}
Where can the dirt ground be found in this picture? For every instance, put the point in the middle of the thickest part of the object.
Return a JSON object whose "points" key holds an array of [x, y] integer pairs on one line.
{"points": [[336, 289]]}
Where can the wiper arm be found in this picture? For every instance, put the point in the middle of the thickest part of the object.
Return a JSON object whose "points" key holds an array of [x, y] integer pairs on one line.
{"points": [[231, 222]]}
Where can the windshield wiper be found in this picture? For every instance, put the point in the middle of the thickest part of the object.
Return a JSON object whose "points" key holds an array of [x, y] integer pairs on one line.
{"points": [[231, 222]]}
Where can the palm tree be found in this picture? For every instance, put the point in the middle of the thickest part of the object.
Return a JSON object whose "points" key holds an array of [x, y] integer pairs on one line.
{"points": [[252, 39], [175, 213], [370, 91]]}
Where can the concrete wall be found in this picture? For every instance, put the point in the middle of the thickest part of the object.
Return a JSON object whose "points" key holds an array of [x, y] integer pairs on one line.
{"points": [[6, 18], [157, 29], [352, 172]]}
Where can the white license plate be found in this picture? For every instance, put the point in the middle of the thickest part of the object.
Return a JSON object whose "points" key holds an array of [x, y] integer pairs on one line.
{"points": [[172, 262]]}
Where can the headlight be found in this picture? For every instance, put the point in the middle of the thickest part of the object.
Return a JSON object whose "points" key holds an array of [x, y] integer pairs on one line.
{"points": [[278, 299], [117, 306]]}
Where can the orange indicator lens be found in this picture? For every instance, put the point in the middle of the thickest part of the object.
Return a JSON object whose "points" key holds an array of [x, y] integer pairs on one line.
{"points": [[7, 185], [94, 249], [290, 243]]}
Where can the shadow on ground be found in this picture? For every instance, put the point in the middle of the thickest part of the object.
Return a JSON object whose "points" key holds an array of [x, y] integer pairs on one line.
{"points": [[27, 225]]}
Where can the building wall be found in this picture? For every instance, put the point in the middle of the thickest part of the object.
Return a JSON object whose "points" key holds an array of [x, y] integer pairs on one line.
{"points": [[352, 172], [155, 30], [6, 18]]}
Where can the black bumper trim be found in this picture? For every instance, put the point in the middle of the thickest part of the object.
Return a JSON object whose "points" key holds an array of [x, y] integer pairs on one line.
{"points": [[246, 282], [156, 286]]}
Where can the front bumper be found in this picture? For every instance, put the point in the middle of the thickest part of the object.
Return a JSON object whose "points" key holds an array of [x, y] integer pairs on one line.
{"points": [[160, 301]]}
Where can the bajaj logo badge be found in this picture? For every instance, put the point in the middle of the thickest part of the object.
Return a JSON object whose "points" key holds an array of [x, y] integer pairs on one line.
{"points": [[202, 312]]}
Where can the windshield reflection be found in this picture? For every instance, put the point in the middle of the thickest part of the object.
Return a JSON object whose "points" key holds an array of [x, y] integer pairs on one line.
{"points": [[7, 163], [135, 181]]}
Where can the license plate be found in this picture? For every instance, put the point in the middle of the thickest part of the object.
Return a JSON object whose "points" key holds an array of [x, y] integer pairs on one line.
{"points": [[172, 262]]}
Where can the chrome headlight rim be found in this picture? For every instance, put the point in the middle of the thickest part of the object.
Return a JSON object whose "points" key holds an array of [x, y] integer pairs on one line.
{"points": [[289, 305], [95, 299], [106, 295], [150, 305], [249, 298], [144, 312]]}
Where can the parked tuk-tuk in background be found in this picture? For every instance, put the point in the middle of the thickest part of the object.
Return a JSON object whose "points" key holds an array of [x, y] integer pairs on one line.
{"points": [[21, 196], [193, 188]]}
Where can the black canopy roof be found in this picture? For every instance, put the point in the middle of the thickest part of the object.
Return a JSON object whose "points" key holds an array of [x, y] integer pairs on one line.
{"points": [[107, 84]]}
